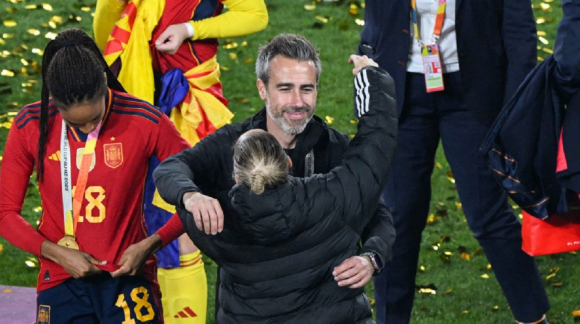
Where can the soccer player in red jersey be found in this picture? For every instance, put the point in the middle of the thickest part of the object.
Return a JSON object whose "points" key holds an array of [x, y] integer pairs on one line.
{"points": [[90, 144]]}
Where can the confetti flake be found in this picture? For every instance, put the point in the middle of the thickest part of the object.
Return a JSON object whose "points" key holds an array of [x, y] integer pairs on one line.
{"points": [[323, 19], [484, 276], [329, 120], [47, 6], [30, 264], [10, 23], [34, 32], [50, 35], [7, 73]]}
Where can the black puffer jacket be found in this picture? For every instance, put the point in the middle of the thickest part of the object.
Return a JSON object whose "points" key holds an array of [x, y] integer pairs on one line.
{"points": [[277, 254]]}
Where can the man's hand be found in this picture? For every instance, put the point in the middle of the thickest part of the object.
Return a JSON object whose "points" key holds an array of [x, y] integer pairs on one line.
{"points": [[135, 256], [354, 272], [207, 212], [77, 263], [360, 62], [171, 38]]}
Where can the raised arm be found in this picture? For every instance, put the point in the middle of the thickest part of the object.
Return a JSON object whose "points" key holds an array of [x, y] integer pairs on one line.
{"points": [[363, 173]]}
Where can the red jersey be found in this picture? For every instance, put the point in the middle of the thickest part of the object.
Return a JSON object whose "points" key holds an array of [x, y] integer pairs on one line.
{"points": [[111, 217]]}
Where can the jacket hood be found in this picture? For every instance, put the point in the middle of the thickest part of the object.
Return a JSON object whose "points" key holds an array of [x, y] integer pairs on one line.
{"points": [[265, 218]]}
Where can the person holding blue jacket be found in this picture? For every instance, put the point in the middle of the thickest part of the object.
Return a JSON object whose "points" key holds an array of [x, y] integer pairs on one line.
{"points": [[480, 53]]}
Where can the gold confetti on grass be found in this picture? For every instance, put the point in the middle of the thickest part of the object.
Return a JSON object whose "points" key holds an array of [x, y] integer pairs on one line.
{"points": [[484, 276], [30, 264], [229, 44], [353, 9], [47, 6], [50, 35], [310, 7], [7, 73], [329, 120], [33, 32], [10, 23]]}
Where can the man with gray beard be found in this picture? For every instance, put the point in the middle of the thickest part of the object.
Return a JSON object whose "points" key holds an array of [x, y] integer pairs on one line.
{"points": [[199, 179]]}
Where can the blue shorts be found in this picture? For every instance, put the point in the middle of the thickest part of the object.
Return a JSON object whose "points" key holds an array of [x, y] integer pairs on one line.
{"points": [[101, 299]]}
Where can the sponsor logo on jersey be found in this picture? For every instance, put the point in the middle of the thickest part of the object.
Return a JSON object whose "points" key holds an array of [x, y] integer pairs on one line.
{"points": [[43, 314], [80, 152], [113, 154], [185, 313]]}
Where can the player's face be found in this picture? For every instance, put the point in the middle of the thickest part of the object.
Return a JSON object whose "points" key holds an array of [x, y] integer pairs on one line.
{"points": [[84, 115], [290, 94]]}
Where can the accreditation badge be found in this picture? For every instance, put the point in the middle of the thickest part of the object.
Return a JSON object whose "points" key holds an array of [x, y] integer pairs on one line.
{"points": [[432, 68]]}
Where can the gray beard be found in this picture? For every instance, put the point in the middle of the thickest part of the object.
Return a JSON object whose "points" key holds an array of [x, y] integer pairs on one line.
{"points": [[286, 127]]}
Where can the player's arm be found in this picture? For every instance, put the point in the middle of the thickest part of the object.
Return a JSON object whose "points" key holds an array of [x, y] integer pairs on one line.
{"points": [[17, 166], [243, 17], [107, 13]]}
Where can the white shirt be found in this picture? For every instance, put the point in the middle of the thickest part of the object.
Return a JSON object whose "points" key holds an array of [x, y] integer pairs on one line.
{"points": [[426, 16]]}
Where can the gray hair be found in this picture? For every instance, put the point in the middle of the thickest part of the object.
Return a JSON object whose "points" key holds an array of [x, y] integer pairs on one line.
{"points": [[260, 161], [291, 46]]}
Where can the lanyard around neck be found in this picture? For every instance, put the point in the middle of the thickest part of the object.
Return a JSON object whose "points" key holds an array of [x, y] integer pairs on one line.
{"points": [[438, 21], [72, 208]]}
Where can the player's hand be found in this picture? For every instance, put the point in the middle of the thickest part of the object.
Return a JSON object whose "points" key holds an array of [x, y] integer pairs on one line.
{"points": [[360, 62], [171, 38], [135, 256], [207, 212], [354, 272], [77, 263]]}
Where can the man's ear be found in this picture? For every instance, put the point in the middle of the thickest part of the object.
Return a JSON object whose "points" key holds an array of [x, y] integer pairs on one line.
{"points": [[289, 162], [237, 180], [261, 89]]}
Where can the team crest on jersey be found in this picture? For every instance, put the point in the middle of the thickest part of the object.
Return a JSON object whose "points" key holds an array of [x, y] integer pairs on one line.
{"points": [[80, 152], [113, 154], [43, 314]]}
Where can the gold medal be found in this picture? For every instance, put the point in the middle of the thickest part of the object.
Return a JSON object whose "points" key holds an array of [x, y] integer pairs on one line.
{"points": [[68, 241]]}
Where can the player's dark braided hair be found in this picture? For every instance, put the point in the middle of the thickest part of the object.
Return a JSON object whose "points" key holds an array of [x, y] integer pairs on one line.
{"points": [[72, 72]]}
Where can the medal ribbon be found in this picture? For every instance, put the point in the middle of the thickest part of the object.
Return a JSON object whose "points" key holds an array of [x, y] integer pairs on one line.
{"points": [[438, 21], [72, 207]]}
